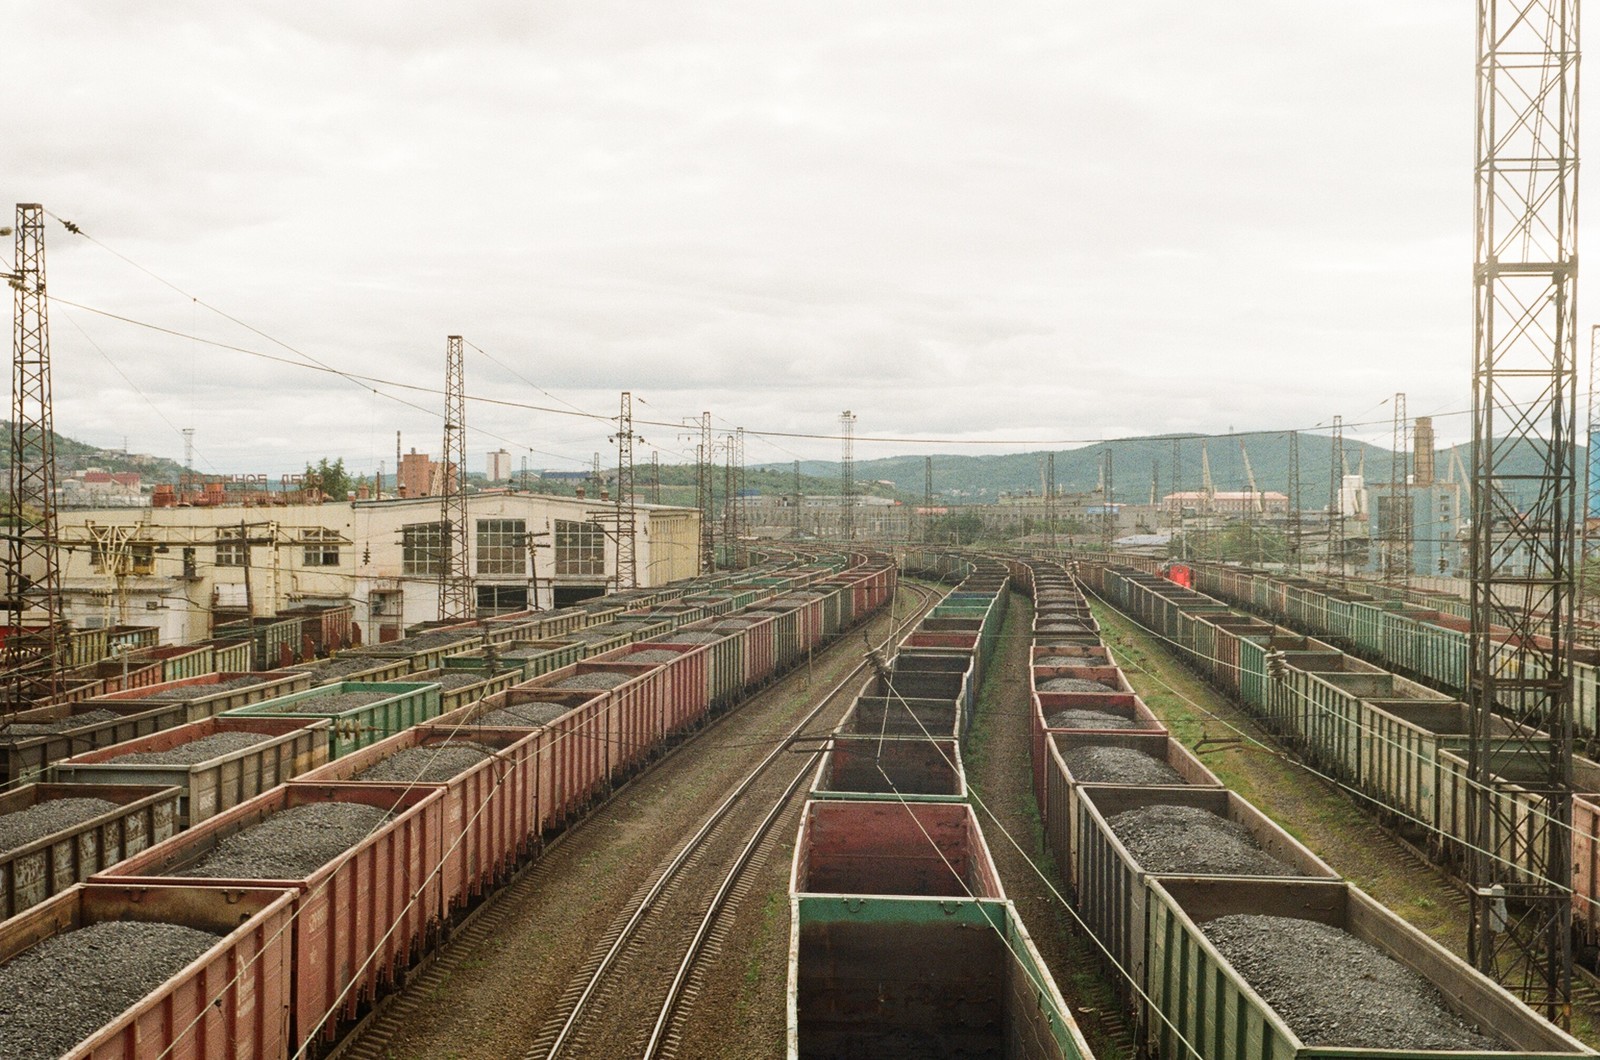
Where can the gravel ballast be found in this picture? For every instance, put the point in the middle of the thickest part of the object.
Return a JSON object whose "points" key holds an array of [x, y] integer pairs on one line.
{"points": [[330, 702], [1074, 684], [21, 729], [523, 715], [1089, 719], [47, 818], [698, 637], [58, 993], [1118, 765], [1061, 660], [426, 765], [597, 681], [1333, 989], [201, 750], [1188, 839], [291, 844]]}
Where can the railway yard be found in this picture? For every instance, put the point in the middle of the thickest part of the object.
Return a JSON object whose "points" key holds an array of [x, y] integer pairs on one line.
{"points": [[835, 805]]}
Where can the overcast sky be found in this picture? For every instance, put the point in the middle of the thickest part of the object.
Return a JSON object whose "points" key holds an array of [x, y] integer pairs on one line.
{"points": [[978, 221]]}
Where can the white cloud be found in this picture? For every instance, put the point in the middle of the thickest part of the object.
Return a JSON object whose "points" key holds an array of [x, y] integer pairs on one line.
{"points": [[957, 220]]}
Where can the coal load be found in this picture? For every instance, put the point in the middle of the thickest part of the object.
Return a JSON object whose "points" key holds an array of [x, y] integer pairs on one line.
{"points": [[597, 681], [47, 818], [338, 668], [201, 750], [654, 655], [187, 692], [331, 702], [697, 637], [291, 844], [1118, 765], [67, 987], [1074, 684], [1089, 719], [459, 679], [523, 715], [1334, 990], [1190, 840], [21, 730], [426, 765], [1060, 660]]}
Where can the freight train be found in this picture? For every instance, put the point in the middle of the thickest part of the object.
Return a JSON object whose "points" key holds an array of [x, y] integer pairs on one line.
{"points": [[1174, 931], [902, 941], [206, 811]]}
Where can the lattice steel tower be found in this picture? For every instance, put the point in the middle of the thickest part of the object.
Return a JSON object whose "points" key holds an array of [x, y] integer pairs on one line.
{"points": [[1336, 500], [708, 529], [1108, 513], [741, 513], [1398, 535], [456, 594], [927, 495], [626, 514], [847, 474], [1050, 501], [1524, 393], [34, 657], [1294, 499]]}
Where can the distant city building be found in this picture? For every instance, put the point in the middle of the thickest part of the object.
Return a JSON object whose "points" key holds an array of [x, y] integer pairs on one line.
{"points": [[421, 475], [499, 465], [1227, 502]]}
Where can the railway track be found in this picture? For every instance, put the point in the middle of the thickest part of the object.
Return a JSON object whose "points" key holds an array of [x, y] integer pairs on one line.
{"points": [[669, 926], [372, 1038]]}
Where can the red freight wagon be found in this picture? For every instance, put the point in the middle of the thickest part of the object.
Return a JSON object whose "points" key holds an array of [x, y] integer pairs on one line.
{"points": [[355, 923]]}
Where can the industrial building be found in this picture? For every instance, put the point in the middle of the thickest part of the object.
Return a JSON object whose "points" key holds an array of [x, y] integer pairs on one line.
{"points": [[176, 568]]}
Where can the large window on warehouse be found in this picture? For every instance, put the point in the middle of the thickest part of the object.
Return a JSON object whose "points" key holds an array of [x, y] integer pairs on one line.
{"points": [[424, 548], [580, 548], [321, 547], [230, 546], [502, 546]]}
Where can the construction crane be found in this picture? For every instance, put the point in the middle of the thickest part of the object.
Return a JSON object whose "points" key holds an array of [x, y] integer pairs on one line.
{"points": [[1250, 477]]}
